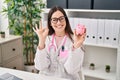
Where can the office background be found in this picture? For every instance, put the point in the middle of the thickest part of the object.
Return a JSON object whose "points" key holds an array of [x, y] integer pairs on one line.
{"points": [[96, 51]]}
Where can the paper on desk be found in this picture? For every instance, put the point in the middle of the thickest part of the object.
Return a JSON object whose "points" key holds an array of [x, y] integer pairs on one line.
{"points": [[43, 77], [8, 76]]}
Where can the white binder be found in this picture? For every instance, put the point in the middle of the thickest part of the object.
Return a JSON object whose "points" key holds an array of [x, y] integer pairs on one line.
{"points": [[108, 32], [86, 22], [115, 32], [76, 22], [93, 30], [71, 21], [100, 32]]}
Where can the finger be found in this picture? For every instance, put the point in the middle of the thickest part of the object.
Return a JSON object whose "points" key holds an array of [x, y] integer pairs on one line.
{"points": [[75, 32], [47, 29], [36, 27], [40, 23], [85, 30], [84, 35]]}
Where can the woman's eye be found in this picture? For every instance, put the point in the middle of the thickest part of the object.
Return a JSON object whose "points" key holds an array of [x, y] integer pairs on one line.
{"points": [[54, 19], [62, 18]]}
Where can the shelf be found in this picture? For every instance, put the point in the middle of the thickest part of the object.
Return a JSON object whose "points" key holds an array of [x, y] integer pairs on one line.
{"points": [[88, 10], [85, 10], [97, 14], [87, 13], [100, 74], [101, 45]]}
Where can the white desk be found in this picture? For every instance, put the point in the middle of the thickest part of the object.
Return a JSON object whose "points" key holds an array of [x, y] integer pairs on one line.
{"points": [[27, 75]]}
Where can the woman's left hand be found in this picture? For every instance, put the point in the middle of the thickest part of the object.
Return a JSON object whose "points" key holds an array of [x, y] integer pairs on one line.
{"points": [[78, 39]]}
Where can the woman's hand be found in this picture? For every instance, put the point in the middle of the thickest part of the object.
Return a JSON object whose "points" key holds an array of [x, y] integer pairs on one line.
{"points": [[42, 34], [78, 39]]}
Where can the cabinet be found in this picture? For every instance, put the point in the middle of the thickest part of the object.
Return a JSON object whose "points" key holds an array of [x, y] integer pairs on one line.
{"points": [[51, 3], [79, 4], [86, 4], [11, 52], [70, 4], [107, 4], [100, 54]]}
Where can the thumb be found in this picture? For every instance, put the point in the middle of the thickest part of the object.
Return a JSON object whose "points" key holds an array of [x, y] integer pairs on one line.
{"points": [[74, 32]]}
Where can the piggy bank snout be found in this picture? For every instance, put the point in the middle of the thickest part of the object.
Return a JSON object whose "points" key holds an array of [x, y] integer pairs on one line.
{"points": [[80, 29]]}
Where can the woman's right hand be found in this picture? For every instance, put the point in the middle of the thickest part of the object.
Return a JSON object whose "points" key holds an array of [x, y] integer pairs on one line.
{"points": [[42, 33]]}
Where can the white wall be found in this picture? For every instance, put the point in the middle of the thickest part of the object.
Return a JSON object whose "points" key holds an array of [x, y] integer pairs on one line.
{"points": [[45, 1], [3, 19], [0, 16]]}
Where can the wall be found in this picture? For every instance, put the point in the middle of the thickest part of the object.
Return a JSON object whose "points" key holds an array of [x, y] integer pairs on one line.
{"points": [[0, 16], [3, 19]]}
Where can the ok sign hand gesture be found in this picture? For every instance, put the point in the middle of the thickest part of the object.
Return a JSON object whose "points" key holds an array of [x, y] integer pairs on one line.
{"points": [[42, 34]]}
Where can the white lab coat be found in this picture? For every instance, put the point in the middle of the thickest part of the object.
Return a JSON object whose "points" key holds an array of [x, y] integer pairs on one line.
{"points": [[49, 63]]}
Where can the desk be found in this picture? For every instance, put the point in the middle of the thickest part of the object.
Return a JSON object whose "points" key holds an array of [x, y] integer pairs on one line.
{"points": [[27, 75]]}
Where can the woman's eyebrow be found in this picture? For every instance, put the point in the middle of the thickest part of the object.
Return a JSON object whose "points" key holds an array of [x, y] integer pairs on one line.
{"points": [[58, 17]]}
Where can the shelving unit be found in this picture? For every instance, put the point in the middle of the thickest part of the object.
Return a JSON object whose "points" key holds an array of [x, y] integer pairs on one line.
{"points": [[100, 54]]}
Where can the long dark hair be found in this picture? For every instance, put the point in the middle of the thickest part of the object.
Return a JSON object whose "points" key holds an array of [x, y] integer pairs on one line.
{"points": [[68, 29]]}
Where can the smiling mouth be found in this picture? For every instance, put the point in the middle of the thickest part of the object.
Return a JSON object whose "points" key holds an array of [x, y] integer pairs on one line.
{"points": [[59, 27]]}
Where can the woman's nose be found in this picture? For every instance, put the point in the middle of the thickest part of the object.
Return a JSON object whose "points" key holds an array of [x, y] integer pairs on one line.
{"points": [[58, 22]]}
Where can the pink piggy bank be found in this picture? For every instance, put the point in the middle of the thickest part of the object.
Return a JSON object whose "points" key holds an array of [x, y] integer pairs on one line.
{"points": [[80, 29]]}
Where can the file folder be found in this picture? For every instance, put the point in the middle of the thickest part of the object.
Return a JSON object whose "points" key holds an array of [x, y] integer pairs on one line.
{"points": [[93, 31], [86, 21], [108, 32], [76, 22], [115, 32], [71, 21], [100, 32]]}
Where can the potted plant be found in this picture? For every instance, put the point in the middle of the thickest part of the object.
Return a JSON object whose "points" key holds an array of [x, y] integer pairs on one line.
{"points": [[107, 68], [2, 33], [92, 66], [22, 16]]}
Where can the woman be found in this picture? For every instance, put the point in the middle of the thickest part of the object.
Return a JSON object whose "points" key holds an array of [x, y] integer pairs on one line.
{"points": [[59, 51]]}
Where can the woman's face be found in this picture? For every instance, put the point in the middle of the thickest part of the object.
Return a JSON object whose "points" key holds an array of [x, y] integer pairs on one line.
{"points": [[58, 22]]}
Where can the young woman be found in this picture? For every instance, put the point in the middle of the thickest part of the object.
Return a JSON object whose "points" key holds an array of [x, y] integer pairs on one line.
{"points": [[59, 51]]}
